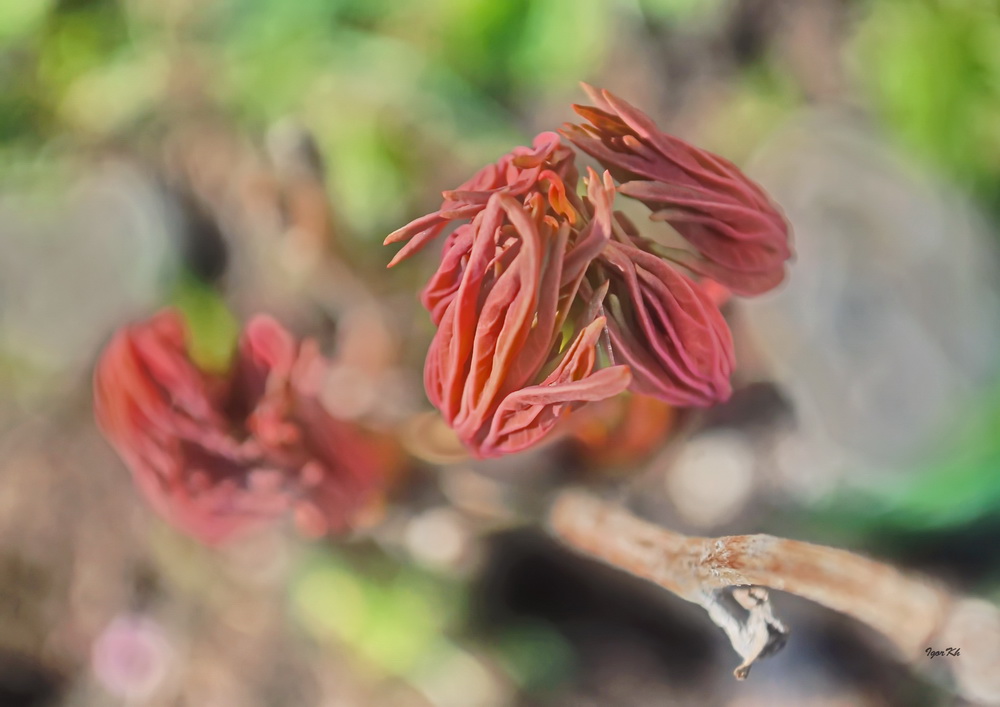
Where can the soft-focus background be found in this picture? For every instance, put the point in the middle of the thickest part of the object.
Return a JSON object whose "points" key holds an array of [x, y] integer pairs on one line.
{"points": [[234, 156]]}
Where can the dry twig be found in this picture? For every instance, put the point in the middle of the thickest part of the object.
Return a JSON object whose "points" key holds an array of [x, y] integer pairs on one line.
{"points": [[728, 575]]}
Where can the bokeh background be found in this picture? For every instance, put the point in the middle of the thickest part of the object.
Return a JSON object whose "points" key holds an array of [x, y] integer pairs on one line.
{"points": [[234, 156]]}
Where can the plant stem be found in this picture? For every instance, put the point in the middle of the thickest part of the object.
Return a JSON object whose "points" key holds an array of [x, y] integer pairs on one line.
{"points": [[726, 576]]}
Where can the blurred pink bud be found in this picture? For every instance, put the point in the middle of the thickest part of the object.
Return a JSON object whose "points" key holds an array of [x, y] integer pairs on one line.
{"points": [[667, 329], [498, 369], [740, 236], [218, 454]]}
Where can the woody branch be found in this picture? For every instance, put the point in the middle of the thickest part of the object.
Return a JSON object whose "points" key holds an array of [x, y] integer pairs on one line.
{"points": [[728, 576]]}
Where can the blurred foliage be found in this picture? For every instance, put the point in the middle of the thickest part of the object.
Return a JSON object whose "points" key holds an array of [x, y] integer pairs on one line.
{"points": [[945, 510], [407, 622], [932, 69], [680, 10], [762, 99], [412, 76], [536, 655], [958, 485], [446, 76], [213, 329], [415, 76], [394, 617]]}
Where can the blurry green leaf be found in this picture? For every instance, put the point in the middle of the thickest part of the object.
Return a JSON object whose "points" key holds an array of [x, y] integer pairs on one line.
{"points": [[537, 656], [331, 600], [22, 111], [544, 57], [759, 102], [958, 486], [673, 10], [932, 68], [79, 40], [270, 71], [21, 17], [401, 629], [477, 37], [114, 93], [212, 327], [394, 623], [370, 184], [377, 96], [963, 484]]}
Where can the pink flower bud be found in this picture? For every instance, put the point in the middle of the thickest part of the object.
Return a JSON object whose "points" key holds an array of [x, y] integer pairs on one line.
{"points": [[739, 236], [217, 454], [537, 281], [502, 297], [546, 167], [666, 328]]}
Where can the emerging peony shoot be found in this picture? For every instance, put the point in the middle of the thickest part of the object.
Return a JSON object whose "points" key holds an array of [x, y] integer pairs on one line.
{"points": [[546, 300], [218, 454]]}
